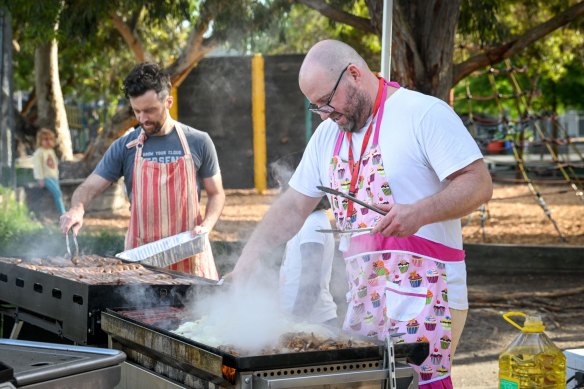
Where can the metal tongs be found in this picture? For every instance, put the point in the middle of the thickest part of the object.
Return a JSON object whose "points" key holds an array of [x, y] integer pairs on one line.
{"points": [[69, 248], [353, 199], [356, 200]]}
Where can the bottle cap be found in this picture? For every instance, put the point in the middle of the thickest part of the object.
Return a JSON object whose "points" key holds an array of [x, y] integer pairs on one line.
{"points": [[532, 323]]}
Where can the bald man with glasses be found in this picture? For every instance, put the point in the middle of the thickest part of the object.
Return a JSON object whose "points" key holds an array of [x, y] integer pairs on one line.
{"points": [[410, 155]]}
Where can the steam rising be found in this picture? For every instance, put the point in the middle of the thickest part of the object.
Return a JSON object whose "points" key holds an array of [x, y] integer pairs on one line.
{"points": [[247, 315]]}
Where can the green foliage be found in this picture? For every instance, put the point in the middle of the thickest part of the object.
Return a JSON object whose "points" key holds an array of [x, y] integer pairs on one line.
{"points": [[22, 235], [298, 27], [15, 218], [36, 19], [103, 243], [93, 57], [565, 92], [549, 94], [479, 21], [86, 16], [553, 64], [50, 241]]}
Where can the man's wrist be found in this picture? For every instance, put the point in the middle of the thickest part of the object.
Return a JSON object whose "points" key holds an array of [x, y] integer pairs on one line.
{"points": [[78, 208]]}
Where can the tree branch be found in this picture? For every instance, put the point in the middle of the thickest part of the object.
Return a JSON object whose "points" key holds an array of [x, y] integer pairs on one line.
{"points": [[497, 54], [130, 37], [196, 48], [339, 16]]}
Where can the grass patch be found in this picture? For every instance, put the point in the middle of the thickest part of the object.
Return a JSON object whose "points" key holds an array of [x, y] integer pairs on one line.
{"points": [[23, 236], [15, 218], [50, 241]]}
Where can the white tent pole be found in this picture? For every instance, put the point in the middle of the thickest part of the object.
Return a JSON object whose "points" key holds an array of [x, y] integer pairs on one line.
{"points": [[386, 38]]}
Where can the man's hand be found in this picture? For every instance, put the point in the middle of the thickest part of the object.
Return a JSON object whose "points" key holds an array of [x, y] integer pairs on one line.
{"points": [[73, 218], [401, 220], [41, 183], [242, 270], [198, 230]]}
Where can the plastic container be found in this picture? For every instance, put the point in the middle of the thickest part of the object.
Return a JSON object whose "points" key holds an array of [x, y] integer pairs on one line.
{"points": [[531, 361]]}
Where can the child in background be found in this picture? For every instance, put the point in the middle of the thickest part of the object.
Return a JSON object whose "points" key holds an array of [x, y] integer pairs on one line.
{"points": [[45, 166], [305, 273]]}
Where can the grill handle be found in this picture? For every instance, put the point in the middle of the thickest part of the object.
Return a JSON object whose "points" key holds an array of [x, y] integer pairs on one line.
{"points": [[326, 379], [319, 379]]}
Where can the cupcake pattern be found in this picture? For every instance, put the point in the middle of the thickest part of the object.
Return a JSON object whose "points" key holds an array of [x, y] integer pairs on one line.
{"points": [[432, 325], [371, 187], [371, 272]]}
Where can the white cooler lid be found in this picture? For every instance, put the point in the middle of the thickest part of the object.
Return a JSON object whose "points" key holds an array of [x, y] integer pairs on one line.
{"points": [[575, 359]]}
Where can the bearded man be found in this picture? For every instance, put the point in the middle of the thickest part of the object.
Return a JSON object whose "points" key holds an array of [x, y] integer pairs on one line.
{"points": [[164, 164], [410, 155]]}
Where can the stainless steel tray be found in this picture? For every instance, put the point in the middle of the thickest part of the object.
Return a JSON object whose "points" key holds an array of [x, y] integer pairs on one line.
{"points": [[165, 252], [47, 365]]}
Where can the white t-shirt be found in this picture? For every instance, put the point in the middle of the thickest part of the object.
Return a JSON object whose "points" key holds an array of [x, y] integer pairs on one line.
{"points": [[325, 308], [422, 142]]}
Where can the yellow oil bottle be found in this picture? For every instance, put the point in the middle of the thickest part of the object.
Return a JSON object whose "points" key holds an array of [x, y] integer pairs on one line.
{"points": [[531, 361]]}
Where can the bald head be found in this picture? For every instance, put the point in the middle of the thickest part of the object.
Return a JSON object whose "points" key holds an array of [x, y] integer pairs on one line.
{"points": [[338, 83], [327, 59]]}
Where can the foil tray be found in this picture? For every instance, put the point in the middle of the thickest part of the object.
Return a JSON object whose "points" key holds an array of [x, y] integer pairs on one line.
{"points": [[165, 252]]}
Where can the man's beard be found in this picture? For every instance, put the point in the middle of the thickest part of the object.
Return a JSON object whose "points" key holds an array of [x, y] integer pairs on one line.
{"points": [[359, 110], [155, 129]]}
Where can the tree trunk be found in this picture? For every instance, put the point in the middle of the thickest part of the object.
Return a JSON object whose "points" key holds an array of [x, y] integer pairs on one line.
{"points": [[7, 157], [423, 44], [50, 104]]}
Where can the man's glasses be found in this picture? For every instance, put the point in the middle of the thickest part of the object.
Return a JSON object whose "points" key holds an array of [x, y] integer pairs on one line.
{"points": [[326, 108]]}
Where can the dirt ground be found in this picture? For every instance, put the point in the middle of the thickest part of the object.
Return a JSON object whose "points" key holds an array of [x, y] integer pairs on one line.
{"points": [[512, 217]]}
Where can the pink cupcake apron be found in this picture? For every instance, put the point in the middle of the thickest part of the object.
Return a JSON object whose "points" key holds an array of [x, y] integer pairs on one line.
{"points": [[397, 285]]}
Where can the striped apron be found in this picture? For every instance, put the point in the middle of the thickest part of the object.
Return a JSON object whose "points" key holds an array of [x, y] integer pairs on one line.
{"points": [[165, 203], [397, 285]]}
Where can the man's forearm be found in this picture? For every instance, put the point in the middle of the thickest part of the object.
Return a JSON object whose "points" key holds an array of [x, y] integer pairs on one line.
{"points": [[460, 197], [82, 196], [281, 222], [213, 209], [86, 192]]}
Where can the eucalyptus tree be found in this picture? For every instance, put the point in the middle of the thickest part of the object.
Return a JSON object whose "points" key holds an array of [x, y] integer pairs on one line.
{"points": [[101, 41], [38, 24], [436, 43]]}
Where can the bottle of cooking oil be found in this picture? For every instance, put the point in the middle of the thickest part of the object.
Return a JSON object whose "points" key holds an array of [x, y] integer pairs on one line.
{"points": [[531, 361]]}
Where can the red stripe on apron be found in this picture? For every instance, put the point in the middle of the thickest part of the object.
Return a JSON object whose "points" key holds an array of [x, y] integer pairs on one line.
{"points": [[165, 203]]}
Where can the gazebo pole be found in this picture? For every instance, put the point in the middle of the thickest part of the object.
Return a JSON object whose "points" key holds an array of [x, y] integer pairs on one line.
{"points": [[386, 39]]}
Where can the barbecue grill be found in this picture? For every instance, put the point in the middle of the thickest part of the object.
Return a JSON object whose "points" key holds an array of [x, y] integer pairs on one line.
{"points": [[146, 338], [69, 304]]}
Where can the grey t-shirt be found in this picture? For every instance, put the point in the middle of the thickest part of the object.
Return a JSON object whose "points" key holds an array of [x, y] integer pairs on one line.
{"points": [[118, 160]]}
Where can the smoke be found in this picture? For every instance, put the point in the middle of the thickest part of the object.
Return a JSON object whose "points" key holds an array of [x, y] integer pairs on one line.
{"points": [[245, 315], [248, 314], [283, 169]]}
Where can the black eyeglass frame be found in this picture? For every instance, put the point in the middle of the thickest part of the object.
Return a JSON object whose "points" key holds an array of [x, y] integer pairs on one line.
{"points": [[326, 108]]}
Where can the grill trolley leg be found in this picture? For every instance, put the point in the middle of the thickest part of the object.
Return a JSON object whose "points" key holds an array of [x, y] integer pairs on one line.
{"points": [[389, 363], [16, 329]]}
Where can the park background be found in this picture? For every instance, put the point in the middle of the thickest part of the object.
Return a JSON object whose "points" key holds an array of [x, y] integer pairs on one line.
{"points": [[63, 62]]}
